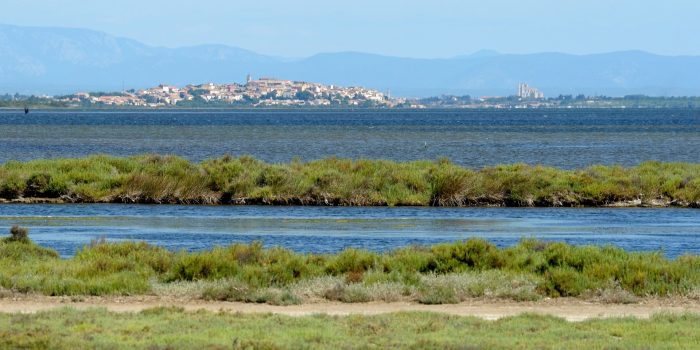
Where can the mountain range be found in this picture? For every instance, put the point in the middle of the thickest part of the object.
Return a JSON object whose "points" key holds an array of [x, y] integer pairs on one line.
{"points": [[42, 60]]}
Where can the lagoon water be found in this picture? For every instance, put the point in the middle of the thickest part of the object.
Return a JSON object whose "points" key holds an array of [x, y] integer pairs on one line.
{"points": [[475, 138], [330, 229]]}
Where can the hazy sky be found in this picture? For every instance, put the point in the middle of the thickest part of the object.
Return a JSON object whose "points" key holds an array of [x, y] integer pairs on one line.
{"points": [[435, 28]]}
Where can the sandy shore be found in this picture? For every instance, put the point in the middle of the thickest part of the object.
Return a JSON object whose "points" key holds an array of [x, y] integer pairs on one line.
{"points": [[567, 308]]}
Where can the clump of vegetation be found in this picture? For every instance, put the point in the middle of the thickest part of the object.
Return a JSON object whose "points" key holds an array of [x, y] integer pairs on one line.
{"points": [[333, 181], [443, 273], [19, 234], [233, 290]]}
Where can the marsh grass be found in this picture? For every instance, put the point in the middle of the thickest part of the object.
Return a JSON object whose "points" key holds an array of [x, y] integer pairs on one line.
{"points": [[333, 181], [174, 328], [458, 287], [615, 294], [443, 273], [234, 290]]}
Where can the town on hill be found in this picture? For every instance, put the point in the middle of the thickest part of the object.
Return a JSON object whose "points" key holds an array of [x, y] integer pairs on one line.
{"points": [[277, 93], [263, 92]]}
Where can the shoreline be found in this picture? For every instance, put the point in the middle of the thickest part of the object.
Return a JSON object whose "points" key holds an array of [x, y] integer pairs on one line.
{"points": [[295, 202]]}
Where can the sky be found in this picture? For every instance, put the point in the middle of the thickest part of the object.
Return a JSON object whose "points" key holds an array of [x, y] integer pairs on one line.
{"points": [[422, 29]]}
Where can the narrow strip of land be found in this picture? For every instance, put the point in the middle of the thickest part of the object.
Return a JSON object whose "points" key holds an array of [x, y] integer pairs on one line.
{"points": [[347, 182], [567, 308]]}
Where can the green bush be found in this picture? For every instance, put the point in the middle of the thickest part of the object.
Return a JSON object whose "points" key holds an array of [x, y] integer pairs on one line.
{"points": [[351, 260], [11, 186], [565, 281], [19, 234], [44, 185], [205, 265]]}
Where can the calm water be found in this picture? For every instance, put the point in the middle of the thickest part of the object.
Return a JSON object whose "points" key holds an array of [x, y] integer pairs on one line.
{"points": [[563, 138], [329, 229]]}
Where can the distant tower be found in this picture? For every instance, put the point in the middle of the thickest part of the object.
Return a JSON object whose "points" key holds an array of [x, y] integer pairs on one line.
{"points": [[248, 79], [521, 90]]}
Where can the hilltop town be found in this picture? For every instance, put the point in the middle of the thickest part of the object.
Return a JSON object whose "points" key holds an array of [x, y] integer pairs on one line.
{"points": [[270, 92], [263, 92], [276, 93]]}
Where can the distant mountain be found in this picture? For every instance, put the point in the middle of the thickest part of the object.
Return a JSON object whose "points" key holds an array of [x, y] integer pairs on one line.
{"points": [[60, 60]]}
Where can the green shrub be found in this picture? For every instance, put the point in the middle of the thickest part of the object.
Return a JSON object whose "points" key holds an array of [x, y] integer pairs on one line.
{"points": [[351, 260], [44, 185], [565, 281], [195, 266], [477, 254], [11, 186], [19, 234]]}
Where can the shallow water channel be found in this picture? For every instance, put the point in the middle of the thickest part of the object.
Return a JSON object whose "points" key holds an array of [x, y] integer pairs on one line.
{"points": [[67, 228]]}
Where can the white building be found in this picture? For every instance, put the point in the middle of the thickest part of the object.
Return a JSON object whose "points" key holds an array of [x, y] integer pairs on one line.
{"points": [[527, 92]]}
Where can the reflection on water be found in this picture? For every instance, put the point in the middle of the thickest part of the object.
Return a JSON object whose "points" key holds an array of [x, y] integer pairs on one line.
{"points": [[329, 229]]}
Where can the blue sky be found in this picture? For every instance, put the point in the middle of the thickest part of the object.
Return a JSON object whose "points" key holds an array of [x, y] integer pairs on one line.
{"points": [[437, 28]]}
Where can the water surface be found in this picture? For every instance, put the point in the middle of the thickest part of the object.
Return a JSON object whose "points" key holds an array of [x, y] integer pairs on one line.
{"points": [[475, 138], [330, 229]]}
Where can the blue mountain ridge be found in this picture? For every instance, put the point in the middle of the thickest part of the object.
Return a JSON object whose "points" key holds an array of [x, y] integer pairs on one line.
{"points": [[43, 60]]}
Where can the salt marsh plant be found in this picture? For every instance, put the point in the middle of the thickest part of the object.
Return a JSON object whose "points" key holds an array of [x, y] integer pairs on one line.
{"points": [[18, 234], [447, 272], [333, 181]]}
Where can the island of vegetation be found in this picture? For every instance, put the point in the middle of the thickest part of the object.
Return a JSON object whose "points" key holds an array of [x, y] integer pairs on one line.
{"points": [[333, 181]]}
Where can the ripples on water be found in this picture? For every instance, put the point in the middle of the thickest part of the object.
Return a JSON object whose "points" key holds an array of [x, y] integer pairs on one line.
{"points": [[330, 229], [562, 138]]}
